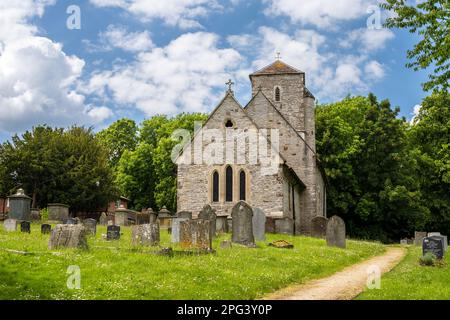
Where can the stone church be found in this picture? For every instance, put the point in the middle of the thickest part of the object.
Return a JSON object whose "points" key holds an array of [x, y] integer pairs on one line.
{"points": [[293, 193]]}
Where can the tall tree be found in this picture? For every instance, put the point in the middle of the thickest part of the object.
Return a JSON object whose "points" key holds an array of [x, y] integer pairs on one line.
{"points": [[431, 20]]}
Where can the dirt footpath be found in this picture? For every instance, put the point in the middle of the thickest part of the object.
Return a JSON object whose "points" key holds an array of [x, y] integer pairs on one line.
{"points": [[343, 285]]}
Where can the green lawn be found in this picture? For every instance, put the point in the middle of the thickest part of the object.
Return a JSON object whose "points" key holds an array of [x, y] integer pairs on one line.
{"points": [[114, 270], [410, 280]]}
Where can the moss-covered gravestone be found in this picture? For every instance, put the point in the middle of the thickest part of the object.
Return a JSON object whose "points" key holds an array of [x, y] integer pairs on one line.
{"points": [[68, 236]]}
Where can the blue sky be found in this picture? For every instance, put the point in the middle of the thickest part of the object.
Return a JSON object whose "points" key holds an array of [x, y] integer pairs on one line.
{"points": [[137, 58]]}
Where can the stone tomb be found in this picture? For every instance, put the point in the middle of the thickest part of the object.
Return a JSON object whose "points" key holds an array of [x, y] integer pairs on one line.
{"points": [[19, 206], [175, 237], [336, 232], [91, 226], [259, 224], [418, 237], [10, 225], [208, 213], [435, 245], [319, 227], [46, 228], [242, 232], [25, 226], [145, 234], [58, 212], [113, 232], [68, 236], [195, 234]]}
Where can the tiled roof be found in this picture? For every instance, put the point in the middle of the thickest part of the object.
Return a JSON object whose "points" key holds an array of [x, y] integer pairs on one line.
{"points": [[278, 67]]}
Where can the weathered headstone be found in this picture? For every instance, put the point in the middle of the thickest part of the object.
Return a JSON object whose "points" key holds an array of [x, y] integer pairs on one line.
{"points": [[113, 232], [91, 226], [435, 245], [319, 227], [184, 214], [221, 224], [284, 226], [46, 228], [208, 213], [336, 232], [145, 234], [71, 221], [230, 224], [259, 224], [10, 225], [176, 229], [225, 244], [418, 237], [432, 234], [35, 215], [68, 236], [242, 231], [404, 242], [58, 212], [195, 234], [103, 219], [25, 226], [19, 206]]}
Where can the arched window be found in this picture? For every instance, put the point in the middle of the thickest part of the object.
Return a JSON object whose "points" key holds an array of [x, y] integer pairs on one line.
{"points": [[242, 185], [277, 94], [215, 186], [229, 184]]}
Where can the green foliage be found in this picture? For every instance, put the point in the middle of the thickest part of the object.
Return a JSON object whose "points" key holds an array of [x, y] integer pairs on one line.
{"points": [[428, 259], [44, 214], [116, 270], [430, 19]]}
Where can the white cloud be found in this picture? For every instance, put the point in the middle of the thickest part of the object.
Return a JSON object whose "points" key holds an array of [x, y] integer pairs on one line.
{"points": [[415, 113], [37, 79], [179, 77], [119, 37], [374, 70], [181, 13], [320, 13], [367, 40]]}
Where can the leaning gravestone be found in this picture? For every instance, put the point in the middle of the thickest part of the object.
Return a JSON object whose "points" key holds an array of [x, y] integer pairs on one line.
{"points": [[46, 228], [208, 213], [10, 225], [418, 237], [184, 214], [319, 227], [259, 224], [336, 232], [176, 229], [113, 232], [91, 226], [145, 234], [25, 226], [68, 236], [195, 234], [435, 245], [242, 233]]}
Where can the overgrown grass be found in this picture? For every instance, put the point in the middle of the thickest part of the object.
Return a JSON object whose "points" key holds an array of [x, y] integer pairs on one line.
{"points": [[114, 270], [411, 281]]}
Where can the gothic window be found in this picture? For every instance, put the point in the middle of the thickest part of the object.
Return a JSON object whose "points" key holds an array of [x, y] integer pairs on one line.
{"points": [[242, 185], [215, 186], [229, 184], [277, 94], [229, 124]]}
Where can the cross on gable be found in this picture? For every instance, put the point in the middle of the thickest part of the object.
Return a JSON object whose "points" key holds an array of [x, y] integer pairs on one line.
{"points": [[229, 84], [278, 57]]}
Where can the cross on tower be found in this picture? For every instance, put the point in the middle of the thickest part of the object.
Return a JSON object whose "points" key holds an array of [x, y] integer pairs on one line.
{"points": [[278, 57], [229, 84]]}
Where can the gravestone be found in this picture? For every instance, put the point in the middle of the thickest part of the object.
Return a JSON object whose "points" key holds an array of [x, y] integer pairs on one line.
{"points": [[222, 224], [432, 234], [71, 221], [319, 227], [103, 219], [176, 229], [439, 235], [10, 225], [195, 234], [35, 215], [145, 234], [208, 213], [19, 206], [242, 231], [404, 242], [225, 244], [230, 224], [270, 225], [284, 226], [336, 232], [91, 226], [121, 216], [184, 214], [68, 236], [435, 245], [46, 228], [259, 224], [113, 232], [58, 212], [25, 226], [418, 237]]}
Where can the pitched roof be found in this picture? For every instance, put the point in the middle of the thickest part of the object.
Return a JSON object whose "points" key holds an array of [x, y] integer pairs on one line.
{"points": [[278, 67]]}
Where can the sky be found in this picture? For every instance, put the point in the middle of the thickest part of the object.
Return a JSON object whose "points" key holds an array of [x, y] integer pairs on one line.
{"points": [[91, 62]]}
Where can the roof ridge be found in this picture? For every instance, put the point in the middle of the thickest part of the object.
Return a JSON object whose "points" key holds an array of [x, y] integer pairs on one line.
{"points": [[277, 67]]}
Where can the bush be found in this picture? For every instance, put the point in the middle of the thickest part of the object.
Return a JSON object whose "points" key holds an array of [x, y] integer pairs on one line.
{"points": [[428, 259], [44, 214]]}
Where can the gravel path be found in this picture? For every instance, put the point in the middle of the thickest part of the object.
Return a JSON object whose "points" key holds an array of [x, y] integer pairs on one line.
{"points": [[343, 285]]}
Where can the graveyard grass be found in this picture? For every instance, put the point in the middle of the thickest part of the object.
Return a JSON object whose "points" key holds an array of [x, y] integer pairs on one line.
{"points": [[116, 270], [411, 281]]}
